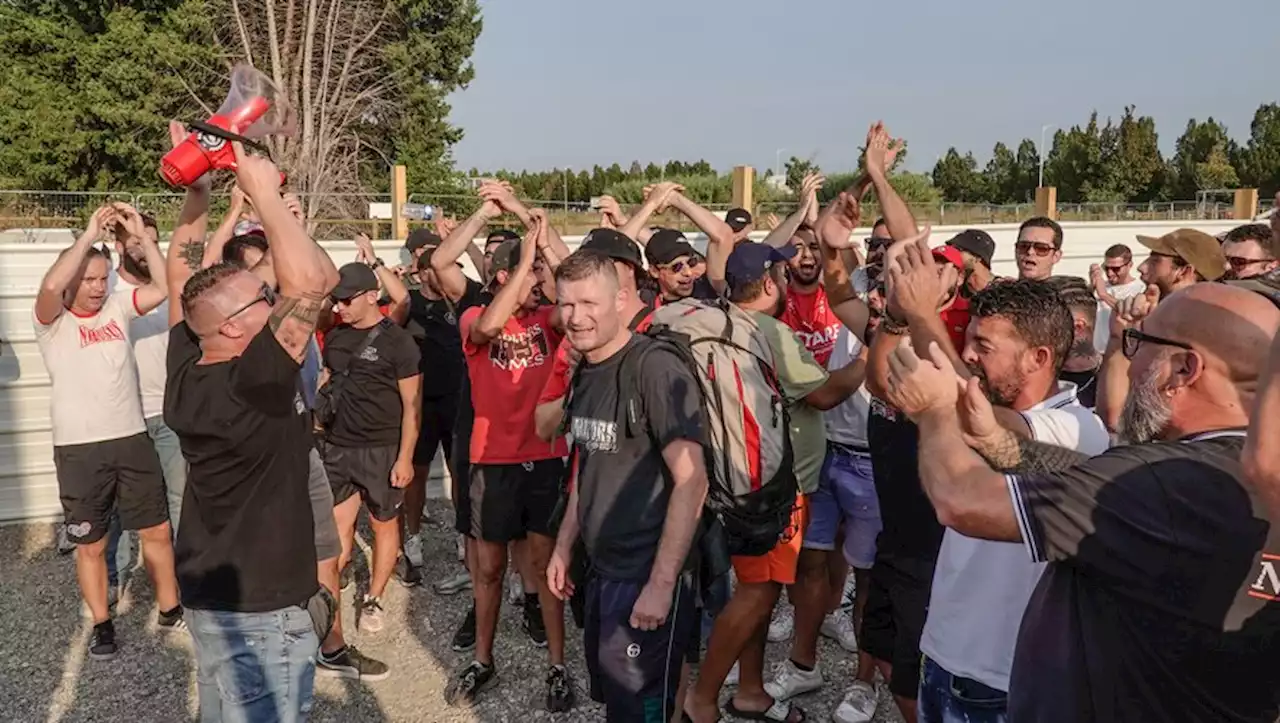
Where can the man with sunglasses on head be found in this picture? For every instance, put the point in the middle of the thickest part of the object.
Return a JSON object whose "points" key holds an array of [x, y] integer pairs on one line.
{"points": [[1039, 248], [246, 552], [1250, 250]]}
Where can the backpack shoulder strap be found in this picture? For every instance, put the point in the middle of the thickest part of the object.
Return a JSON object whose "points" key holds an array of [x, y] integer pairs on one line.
{"points": [[368, 342]]}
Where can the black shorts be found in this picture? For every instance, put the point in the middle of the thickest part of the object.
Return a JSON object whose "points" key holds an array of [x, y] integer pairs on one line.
{"points": [[893, 621], [635, 673], [510, 500], [439, 415], [460, 470], [121, 474], [366, 471]]}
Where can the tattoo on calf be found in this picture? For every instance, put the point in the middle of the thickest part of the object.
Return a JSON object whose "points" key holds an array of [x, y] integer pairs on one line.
{"points": [[1011, 453]]}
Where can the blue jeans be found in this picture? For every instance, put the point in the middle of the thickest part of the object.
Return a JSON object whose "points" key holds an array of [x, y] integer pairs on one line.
{"points": [[254, 667], [173, 464], [946, 698]]}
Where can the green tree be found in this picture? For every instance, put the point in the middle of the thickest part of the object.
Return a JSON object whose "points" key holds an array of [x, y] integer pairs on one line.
{"points": [[1001, 175], [1131, 158], [1201, 160], [1258, 162], [1027, 174], [1074, 164], [957, 178], [797, 169]]}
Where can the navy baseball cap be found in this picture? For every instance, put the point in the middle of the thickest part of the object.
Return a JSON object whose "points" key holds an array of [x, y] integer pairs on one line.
{"points": [[751, 261]]}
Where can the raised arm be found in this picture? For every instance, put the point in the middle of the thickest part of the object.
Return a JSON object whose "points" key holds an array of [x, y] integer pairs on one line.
{"points": [[186, 245], [808, 195], [444, 260], [656, 199], [67, 266], [834, 231], [225, 230], [719, 237], [1261, 453], [504, 196], [508, 298], [391, 282], [155, 291], [304, 271], [897, 216]]}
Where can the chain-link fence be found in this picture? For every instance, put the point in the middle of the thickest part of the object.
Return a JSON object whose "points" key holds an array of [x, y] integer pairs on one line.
{"points": [[343, 215]]}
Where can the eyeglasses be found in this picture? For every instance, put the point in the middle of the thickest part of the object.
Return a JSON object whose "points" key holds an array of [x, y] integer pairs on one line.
{"points": [[266, 293], [1239, 263], [1027, 247], [1134, 338]]}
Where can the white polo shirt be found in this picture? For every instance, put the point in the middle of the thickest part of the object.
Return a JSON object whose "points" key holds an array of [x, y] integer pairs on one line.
{"points": [[95, 379], [980, 587]]}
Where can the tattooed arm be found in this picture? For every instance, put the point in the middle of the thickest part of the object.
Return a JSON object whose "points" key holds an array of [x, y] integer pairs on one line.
{"points": [[293, 321], [186, 247], [1008, 452]]}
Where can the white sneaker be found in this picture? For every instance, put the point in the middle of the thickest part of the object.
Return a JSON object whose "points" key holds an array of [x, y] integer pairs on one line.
{"points": [[849, 595], [413, 550], [859, 704], [372, 616], [734, 676], [783, 624], [462, 548], [790, 681], [839, 627], [515, 588]]}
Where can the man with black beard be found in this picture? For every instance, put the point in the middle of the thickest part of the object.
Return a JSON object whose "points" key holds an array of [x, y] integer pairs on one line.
{"points": [[1081, 365], [1159, 599]]}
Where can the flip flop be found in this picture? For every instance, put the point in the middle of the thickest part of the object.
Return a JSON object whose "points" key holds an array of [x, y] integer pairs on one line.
{"points": [[779, 712]]}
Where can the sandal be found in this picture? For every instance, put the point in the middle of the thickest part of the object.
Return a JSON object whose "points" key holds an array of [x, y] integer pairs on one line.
{"points": [[779, 712]]}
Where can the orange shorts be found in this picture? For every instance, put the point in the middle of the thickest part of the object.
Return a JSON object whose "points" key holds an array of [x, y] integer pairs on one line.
{"points": [[779, 564]]}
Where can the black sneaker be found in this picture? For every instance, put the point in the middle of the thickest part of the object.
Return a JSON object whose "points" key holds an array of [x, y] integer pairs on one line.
{"points": [[171, 620], [346, 578], [464, 641], [560, 695], [533, 624], [407, 574], [347, 662], [468, 682], [102, 643]]}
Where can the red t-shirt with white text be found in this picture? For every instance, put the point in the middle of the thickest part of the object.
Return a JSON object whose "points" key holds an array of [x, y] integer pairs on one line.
{"points": [[507, 375], [814, 322]]}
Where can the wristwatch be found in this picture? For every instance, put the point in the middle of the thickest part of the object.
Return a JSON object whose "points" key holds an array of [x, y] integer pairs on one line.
{"points": [[377, 263]]}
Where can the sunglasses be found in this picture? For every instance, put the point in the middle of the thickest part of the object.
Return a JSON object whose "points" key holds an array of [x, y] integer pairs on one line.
{"points": [[875, 242], [678, 266], [1132, 339], [1026, 248], [1115, 269], [1240, 263], [266, 293]]}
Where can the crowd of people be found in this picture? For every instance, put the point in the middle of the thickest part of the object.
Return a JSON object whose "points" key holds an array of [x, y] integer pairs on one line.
{"points": [[1049, 493]]}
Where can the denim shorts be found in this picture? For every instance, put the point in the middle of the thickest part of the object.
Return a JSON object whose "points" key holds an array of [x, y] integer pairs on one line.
{"points": [[846, 496], [946, 698], [254, 667]]}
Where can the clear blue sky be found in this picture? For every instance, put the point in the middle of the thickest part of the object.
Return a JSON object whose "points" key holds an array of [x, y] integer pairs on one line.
{"points": [[575, 83]]}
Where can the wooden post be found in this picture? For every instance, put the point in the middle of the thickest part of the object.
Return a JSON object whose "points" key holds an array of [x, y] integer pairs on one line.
{"points": [[1047, 202], [744, 178], [399, 196], [1246, 206]]}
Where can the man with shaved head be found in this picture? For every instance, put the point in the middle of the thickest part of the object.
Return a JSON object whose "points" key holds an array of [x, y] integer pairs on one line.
{"points": [[1160, 598], [246, 555]]}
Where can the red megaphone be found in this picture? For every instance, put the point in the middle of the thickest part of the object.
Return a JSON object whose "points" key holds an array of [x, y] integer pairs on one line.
{"points": [[252, 110]]}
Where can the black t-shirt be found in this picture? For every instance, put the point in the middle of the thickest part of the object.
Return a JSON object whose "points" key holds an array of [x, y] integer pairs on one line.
{"points": [[1086, 386], [369, 409], [623, 482], [442, 365], [246, 539], [1161, 601], [910, 526], [703, 290]]}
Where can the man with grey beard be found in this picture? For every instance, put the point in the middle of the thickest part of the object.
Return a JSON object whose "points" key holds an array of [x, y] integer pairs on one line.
{"points": [[1161, 600]]}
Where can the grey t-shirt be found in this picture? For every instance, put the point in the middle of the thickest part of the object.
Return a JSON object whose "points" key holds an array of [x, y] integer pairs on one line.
{"points": [[623, 481]]}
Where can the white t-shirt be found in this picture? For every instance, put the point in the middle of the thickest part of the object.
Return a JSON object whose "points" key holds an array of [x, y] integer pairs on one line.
{"points": [[150, 337], [1102, 329], [95, 378], [847, 421], [981, 588]]}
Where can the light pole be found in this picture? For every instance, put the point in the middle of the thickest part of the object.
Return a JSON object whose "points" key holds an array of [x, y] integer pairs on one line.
{"points": [[777, 161], [1043, 130]]}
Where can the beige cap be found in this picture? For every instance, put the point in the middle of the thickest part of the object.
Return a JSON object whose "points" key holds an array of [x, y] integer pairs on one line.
{"points": [[1200, 250]]}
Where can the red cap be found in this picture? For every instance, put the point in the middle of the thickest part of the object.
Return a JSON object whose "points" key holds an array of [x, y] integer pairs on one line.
{"points": [[951, 254]]}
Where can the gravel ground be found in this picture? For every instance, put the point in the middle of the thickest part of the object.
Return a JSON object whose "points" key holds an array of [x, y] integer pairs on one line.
{"points": [[45, 674]]}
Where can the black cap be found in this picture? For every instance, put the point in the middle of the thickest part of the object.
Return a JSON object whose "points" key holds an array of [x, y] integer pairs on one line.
{"points": [[738, 218], [507, 256], [499, 235], [667, 245], [614, 244], [419, 238], [979, 243], [354, 279], [751, 261]]}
